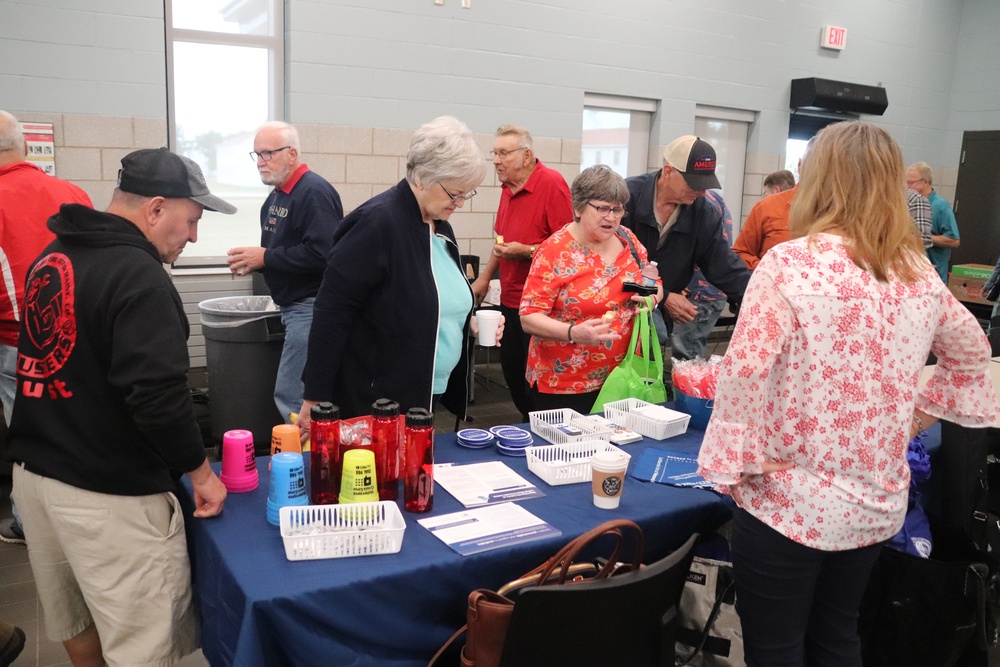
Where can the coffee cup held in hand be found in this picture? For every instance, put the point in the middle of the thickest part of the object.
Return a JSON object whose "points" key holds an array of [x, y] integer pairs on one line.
{"points": [[488, 321]]}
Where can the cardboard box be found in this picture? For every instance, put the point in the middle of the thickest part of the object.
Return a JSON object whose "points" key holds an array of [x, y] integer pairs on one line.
{"points": [[966, 282], [978, 271]]}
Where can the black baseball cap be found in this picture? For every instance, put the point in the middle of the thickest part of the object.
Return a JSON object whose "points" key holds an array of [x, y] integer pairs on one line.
{"points": [[695, 159], [156, 172]]}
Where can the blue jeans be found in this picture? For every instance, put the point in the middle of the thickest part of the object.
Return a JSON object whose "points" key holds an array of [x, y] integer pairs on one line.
{"points": [[8, 387], [798, 605], [8, 379], [690, 339], [297, 319]]}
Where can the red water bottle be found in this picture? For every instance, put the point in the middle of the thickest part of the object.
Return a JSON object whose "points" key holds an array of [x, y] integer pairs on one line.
{"points": [[418, 478], [385, 439], [324, 454]]}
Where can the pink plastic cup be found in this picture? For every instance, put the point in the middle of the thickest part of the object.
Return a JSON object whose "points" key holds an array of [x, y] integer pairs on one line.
{"points": [[239, 467]]}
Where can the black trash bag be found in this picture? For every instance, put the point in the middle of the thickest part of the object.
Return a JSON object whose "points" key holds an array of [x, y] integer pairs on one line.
{"points": [[929, 612]]}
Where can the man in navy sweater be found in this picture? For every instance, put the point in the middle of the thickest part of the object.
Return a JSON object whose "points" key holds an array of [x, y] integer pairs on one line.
{"points": [[297, 222], [681, 228]]}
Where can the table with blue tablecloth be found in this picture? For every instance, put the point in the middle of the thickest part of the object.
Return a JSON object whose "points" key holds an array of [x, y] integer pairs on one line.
{"points": [[258, 608]]}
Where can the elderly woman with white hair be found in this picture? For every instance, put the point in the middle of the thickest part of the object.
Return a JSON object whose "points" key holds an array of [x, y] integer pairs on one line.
{"points": [[392, 316]]}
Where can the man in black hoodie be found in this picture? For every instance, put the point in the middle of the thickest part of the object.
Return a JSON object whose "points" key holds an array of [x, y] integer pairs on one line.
{"points": [[104, 425]]}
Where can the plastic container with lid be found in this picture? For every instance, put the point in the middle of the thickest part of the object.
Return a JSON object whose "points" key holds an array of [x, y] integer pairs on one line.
{"points": [[324, 454], [418, 477], [385, 441]]}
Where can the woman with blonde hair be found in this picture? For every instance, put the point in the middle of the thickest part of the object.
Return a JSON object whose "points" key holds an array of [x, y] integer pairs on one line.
{"points": [[818, 399]]}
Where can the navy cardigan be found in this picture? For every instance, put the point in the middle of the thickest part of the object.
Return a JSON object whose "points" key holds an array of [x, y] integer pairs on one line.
{"points": [[374, 331]]}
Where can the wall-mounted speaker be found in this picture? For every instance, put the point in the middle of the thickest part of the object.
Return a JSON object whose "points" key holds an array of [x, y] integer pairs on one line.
{"points": [[824, 94]]}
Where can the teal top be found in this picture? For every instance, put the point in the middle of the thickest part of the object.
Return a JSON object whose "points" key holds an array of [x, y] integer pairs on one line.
{"points": [[942, 224], [455, 302]]}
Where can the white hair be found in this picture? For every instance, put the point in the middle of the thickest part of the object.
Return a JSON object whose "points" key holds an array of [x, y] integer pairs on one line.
{"points": [[445, 149], [11, 137], [289, 135]]}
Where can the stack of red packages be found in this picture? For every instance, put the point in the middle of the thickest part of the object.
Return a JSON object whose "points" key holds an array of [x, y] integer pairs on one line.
{"points": [[696, 377]]}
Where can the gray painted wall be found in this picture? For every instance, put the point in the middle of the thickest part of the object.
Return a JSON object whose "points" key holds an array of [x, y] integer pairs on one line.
{"points": [[103, 57], [398, 63], [975, 90]]}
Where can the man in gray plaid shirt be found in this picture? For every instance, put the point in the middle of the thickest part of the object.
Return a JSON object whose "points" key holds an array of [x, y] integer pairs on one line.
{"points": [[920, 210]]}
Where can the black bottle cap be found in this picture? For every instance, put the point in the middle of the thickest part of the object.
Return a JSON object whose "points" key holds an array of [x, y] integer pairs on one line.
{"points": [[324, 412], [385, 407], [419, 417]]}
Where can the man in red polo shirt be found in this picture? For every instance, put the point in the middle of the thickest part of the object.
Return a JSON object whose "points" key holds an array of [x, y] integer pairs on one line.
{"points": [[534, 203]]}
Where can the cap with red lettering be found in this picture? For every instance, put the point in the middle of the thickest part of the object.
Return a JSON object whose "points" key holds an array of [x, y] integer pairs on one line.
{"points": [[695, 160]]}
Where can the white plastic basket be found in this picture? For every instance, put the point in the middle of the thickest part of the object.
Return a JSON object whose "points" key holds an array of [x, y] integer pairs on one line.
{"points": [[623, 413], [568, 463], [340, 531], [547, 424]]}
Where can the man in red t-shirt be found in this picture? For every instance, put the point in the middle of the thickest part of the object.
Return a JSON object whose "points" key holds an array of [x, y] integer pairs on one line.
{"points": [[28, 198], [534, 203]]}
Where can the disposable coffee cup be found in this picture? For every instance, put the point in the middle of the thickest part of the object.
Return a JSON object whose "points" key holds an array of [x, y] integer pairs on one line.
{"points": [[239, 467], [358, 483], [489, 321], [608, 477], [287, 485]]}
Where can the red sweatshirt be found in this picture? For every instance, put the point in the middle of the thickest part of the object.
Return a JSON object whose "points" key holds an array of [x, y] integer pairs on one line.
{"points": [[28, 198]]}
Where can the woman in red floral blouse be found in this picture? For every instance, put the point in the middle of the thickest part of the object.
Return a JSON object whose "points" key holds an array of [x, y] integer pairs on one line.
{"points": [[818, 398], [574, 307]]}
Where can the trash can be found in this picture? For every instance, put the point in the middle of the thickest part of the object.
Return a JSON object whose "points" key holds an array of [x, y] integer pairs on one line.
{"points": [[243, 339]]}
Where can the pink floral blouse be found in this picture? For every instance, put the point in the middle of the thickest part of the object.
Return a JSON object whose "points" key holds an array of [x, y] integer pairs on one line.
{"points": [[570, 283], [822, 371]]}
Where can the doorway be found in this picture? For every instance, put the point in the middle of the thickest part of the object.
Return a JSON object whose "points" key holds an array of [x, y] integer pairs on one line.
{"points": [[977, 199], [727, 130]]}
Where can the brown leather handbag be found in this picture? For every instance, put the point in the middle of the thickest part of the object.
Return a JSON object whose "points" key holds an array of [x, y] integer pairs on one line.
{"points": [[489, 612]]}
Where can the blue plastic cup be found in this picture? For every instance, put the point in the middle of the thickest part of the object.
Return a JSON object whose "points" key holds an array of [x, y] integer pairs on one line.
{"points": [[287, 485]]}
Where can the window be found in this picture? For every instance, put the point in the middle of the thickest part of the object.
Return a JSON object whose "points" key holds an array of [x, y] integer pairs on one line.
{"points": [[727, 131], [619, 127], [224, 73], [801, 128]]}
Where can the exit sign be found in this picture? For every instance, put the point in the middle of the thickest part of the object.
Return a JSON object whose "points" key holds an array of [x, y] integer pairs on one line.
{"points": [[833, 38]]}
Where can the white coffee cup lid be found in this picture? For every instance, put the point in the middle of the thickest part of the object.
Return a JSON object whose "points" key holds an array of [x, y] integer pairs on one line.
{"points": [[607, 457]]}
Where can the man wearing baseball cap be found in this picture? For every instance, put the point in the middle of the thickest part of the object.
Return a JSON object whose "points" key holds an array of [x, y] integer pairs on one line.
{"points": [[681, 228], [104, 424]]}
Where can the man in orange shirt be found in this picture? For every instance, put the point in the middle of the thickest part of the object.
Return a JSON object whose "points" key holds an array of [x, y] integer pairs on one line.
{"points": [[778, 181], [765, 227]]}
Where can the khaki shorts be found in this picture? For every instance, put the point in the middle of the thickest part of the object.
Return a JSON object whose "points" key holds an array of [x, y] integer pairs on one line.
{"points": [[120, 562]]}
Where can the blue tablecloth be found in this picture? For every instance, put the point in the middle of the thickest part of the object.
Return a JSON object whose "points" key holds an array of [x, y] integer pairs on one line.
{"points": [[260, 609]]}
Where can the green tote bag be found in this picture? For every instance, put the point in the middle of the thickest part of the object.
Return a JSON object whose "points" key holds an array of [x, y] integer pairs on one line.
{"points": [[638, 375]]}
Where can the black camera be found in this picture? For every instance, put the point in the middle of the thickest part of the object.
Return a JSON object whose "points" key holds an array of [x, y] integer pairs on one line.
{"points": [[644, 290]]}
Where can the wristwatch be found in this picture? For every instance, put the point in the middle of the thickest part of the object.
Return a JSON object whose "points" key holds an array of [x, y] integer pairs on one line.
{"points": [[531, 251]]}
